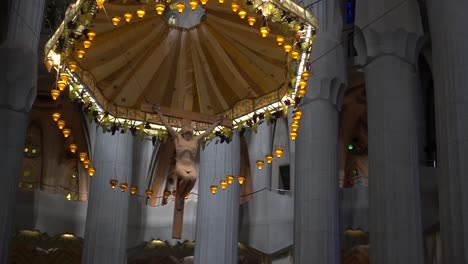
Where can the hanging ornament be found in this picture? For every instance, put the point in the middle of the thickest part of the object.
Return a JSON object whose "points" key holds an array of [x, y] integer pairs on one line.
{"points": [[269, 158], [287, 48], [160, 8], [305, 75], [61, 124], [72, 66], [280, 40], [54, 93], [295, 54], [133, 190], [66, 132], [91, 171], [115, 21], [100, 3], [251, 20], [86, 163], [123, 186], [87, 44], [230, 179], [213, 189], [64, 77], [301, 93], [128, 17], [223, 184], [61, 85], [279, 152], [140, 13], [91, 35], [56, 116], [241, 179], [180, 7], [242, 13], [149, 194], [73, 147], [293, 135], [234, 6], [264, 31], [193, 4], [113, 183], [82, 156], [260, 164], [80, 53], [203, 2], [302, 83]]}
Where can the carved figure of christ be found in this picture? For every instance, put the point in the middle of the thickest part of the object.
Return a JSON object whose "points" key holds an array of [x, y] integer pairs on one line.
{"points": [[186, 166]]}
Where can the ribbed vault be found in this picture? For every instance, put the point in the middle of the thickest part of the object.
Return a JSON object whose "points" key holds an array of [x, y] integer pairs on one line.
{"points": [[208, 68]]}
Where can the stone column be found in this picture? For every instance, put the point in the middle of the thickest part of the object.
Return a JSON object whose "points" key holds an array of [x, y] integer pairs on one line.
{"points": [[450, 68], [395, 206], [218, 215], [19, 39], [387, 50], [316, 197], [105, 238]]}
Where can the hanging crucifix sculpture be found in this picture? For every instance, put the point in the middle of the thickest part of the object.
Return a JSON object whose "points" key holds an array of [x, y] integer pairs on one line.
{"points": [[186, 166]]}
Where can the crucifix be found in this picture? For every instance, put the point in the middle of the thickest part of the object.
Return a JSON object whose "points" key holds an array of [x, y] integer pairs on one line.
{"points": [[186, 166]]}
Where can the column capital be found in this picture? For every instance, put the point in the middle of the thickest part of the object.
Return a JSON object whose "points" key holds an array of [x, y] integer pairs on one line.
{"points": [[18, 78], [327, 89], [371, 45]]}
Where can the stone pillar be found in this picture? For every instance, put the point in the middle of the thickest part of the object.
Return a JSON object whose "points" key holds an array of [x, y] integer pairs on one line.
{"points": [[105, 238], [450, 68], [316, 196], [218, 215], [19, 39], [395, 206], [387, 51]]}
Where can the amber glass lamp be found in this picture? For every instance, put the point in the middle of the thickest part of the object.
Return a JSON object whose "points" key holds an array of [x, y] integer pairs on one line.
{"points": [[295, 54], [160, 8], [235, 6], [61, 124], [86, 163], [280, 40], [230, 179], [293, 135], [260, 164], [180, 7], [251, 20], [55, 94], [269, 158], [213, 189], [193, 4], [223, 184], [73, 147], [113, 183], [149, 194], [140, 13], [128, 17], [56, 116], [66, 132], [241, 179], [86, 44], [91, 35], [279, 152], [91, 171], [133, 190], [82, 156], [287, 48], [115, 21], [72, 66], [123, 186], [242, 13], [64, 77]]}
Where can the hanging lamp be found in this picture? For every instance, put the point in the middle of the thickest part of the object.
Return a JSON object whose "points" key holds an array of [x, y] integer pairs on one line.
{"points": [[213, 189], [66, 132], [56, 116], [223, 184], [128, 17], [61, 124], [113, 183], [54, 93], [241, 179], [82, 156], [91, 171], [230, 179], [260, 164], [279, 152], [133, 190], [123, 186]]}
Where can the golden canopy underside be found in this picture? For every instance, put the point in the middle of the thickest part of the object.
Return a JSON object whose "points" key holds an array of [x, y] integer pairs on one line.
{"points": [[207, 69]]}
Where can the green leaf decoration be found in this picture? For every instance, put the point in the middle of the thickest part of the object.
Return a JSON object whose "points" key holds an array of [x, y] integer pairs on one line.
{"points": [[268, 117], [254, 127]]}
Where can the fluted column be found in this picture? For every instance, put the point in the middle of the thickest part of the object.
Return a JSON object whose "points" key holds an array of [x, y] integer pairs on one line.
{"points": [[395, 206], [387, 50], [450, 56], [218, 215], [18, 81], [316, 196], [106, 220]]}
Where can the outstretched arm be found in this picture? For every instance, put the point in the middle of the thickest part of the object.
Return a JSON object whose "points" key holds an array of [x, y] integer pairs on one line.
{"points": [[208, 131], [157, 110]]}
